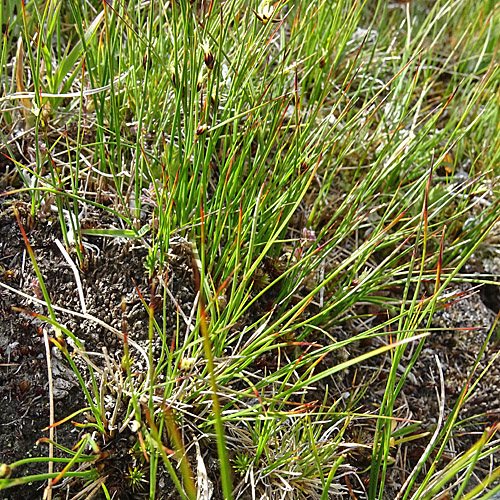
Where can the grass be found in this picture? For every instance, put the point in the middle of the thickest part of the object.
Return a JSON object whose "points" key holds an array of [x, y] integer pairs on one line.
{"points": [[323, 168]]}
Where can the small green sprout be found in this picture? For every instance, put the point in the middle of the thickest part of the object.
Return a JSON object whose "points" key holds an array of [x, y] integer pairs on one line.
{"points": [[242, 462], [136, 478]]}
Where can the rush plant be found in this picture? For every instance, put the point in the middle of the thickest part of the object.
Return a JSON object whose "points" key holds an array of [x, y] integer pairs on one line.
{"points": [[319, 174]]}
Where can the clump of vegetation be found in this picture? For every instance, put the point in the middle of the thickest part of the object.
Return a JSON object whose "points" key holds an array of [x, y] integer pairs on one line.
{"points": [[314, 176]]}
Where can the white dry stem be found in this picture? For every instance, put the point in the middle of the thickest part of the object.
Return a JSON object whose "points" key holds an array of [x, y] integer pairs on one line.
{"points": [[119, 383], [107, 359], [47, 494], [78, 95], [179, 308], [189, 323], [204, 485], [427, 450], [71, 220], [102, 394], [112, 422], [76, 273], [91, 489]]}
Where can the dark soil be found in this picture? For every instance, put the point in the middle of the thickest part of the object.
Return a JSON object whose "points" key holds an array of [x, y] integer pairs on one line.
{"points": [[114, 279]]}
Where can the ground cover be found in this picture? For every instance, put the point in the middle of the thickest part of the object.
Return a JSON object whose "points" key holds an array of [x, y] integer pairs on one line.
{"points": [[249, 250]]}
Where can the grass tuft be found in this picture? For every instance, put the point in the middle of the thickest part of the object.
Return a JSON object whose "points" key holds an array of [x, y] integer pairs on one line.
{"points": [[312, 188]]}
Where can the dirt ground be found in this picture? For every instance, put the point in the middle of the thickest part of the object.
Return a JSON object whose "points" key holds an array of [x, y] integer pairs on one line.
{"points": [[115, 272]]}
